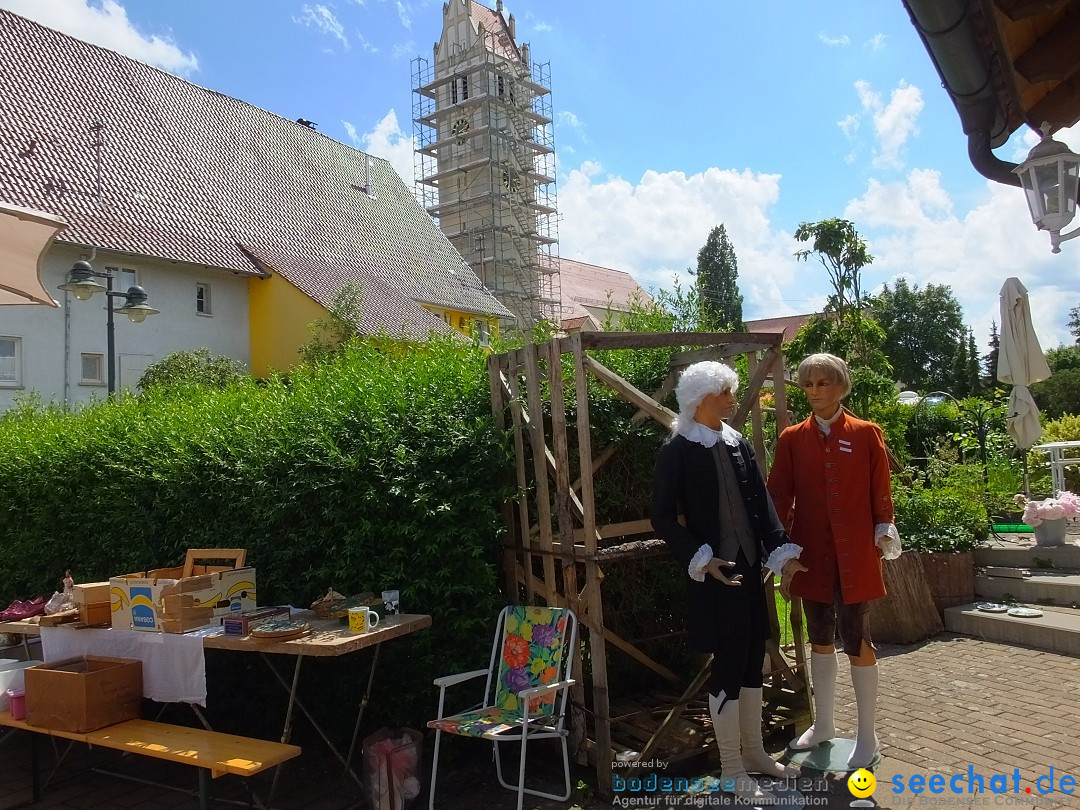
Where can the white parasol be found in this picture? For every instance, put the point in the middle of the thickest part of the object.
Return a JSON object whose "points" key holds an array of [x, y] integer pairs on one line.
{"points": [[1020, 363], [25, 235]]}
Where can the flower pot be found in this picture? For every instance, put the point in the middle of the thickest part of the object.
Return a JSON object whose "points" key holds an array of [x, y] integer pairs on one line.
{"points": [[1050, 533]]}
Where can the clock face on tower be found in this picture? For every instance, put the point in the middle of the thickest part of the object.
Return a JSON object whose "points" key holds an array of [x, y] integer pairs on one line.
{"points": [[459, 128], [510, 179]]}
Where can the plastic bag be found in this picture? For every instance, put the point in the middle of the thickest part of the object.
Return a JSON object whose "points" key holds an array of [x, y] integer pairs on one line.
{"points": [[392, 763]]}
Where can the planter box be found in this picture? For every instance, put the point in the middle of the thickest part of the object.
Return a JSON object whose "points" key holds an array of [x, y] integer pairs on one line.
{"points": [[83, 694], [950, 577]]}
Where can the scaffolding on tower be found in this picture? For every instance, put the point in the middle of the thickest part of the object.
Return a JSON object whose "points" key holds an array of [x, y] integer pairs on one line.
{"points": [[485, 167]]}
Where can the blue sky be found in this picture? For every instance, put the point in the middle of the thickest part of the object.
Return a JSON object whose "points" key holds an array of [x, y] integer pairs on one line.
{"points": [[670, 119]]}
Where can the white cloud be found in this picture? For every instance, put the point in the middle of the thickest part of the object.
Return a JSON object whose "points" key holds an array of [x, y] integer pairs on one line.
{"points": [[388, 141], [894, 122], [914, 231], [107, 24], [365, 45], [834, 42], [404, 14], [322, 19], [849, 124], [877, 42], [542, 27], [654, 229], [406, 49]]}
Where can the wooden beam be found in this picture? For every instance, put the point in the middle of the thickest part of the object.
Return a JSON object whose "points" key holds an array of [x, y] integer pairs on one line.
{"points": [[658, 340], [565, 499], [619, 643], [754, 388], [629, 392], [1017, 10], [755, 411], [719, 352], [518, 416], [1053, 57], [1061, 106], [538, 446], [676, 710], [498, 408]]}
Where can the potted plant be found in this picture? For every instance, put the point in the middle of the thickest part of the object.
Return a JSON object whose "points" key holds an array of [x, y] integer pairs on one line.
{"points": [[1047, 516]]}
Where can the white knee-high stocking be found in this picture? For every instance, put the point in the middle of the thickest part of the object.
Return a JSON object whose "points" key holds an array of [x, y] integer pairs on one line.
{"points": [[734, 779], [864, 681], [823, 677]]}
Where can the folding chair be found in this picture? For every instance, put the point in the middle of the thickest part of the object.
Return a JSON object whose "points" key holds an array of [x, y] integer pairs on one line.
{"points": [[525, 693]]}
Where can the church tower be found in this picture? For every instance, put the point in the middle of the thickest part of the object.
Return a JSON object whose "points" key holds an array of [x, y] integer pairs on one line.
{"points": [[485, 157]]}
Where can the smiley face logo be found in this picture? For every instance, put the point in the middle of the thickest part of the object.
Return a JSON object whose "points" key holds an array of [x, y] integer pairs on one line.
{"points": [[862, 783]]}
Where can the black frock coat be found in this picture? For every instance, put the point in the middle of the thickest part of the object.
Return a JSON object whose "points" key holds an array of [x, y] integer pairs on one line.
{"points": [[722, 618]]}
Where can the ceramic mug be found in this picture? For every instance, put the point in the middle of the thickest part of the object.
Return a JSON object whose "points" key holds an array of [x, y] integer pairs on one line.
{"points": [[362, 619], [391, 602]]}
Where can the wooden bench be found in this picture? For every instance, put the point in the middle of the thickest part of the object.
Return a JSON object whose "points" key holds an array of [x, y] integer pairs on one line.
{"points": [[212, 752]]}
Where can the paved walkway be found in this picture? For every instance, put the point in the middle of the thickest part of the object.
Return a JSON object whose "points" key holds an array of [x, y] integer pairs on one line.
{"points": [[945, 705]]}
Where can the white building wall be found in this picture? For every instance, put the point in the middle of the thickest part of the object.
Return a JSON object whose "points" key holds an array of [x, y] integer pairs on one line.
{"points": [[55, 339]]}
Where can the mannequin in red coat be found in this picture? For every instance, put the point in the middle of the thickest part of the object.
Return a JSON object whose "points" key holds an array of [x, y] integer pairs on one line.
{"points": [[830, 484]]}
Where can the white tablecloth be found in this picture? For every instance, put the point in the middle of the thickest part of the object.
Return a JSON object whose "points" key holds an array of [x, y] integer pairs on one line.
{"points": [[174, 669]]}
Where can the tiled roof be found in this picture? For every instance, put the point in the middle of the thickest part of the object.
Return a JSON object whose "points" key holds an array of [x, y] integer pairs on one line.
{"points": [[499, 41], [592, 285], [788, 325], [193, 176]]}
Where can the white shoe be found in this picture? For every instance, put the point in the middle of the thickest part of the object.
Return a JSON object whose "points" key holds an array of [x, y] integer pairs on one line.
{"points": [[823, 679], [864, 681], [754, 756], [733, 778]]}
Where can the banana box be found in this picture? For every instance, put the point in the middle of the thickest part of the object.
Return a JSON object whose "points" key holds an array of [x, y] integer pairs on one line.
{"points": [[167, 601]]}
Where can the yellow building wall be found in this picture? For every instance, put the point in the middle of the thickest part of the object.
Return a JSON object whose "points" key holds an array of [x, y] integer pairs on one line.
{"points": [[464, 321], [280, 320]]}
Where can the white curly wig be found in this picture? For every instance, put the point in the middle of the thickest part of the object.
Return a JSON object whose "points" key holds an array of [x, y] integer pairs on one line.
{"points": [[699, 381]]}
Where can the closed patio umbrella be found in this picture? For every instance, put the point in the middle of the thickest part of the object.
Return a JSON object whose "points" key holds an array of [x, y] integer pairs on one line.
{"points": [[25, 235], [1020, 363]]}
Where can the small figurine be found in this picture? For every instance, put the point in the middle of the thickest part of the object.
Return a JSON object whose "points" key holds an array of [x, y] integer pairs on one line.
{"points": [[69, 586]]}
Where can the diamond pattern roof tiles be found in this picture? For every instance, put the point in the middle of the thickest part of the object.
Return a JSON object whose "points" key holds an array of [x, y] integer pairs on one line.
{"points": [[190, 175]]}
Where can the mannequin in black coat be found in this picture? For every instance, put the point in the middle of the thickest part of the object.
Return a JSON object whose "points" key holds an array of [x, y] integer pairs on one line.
{"points": [[707, 472]]}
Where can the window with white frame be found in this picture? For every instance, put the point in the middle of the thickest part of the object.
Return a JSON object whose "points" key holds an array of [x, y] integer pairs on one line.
{"points": [[10, 362], [202, 299], [125, 278], [93, 368]]}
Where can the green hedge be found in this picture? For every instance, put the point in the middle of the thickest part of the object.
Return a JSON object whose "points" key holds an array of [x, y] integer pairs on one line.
{"points": [[379, 468]]}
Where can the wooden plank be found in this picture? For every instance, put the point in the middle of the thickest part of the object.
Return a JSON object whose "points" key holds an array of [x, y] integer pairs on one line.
{"points": [[1053, 56], [216, 752], [619, 643], [628, 392], [538, 447], [719, 352], [328, 637], [564, 495], [676, 710], [753, 389], [659, 340], [780, 403], [755, 410], [641, 526], [498, 411], [595, 617], [517, 415]]}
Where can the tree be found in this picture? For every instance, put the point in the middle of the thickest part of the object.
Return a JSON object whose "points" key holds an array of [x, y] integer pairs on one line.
{"points": [[974, 381], [922, 330], [958, 371], [192, 367], [990, 359], [1074, 323], [844, 329], [717, 283]]}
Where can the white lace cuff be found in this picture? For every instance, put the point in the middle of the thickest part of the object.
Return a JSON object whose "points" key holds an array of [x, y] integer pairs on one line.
{"points": [[702, 557], [888, 540], [780, 556]]}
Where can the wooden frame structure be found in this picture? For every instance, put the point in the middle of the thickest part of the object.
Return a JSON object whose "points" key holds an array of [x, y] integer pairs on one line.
{"points": [[556, 551]]}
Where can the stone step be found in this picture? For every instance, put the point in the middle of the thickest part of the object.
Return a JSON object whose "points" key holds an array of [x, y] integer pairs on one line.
{"points": [[1057, 630], [1020, 551], [1045, 586]]}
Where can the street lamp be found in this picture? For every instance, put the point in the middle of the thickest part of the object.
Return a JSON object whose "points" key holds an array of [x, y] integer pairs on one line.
{"points": [[80, 283], [1049, 177]]}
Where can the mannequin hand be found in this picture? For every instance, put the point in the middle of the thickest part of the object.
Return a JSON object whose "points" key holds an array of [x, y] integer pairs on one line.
{"points": [[714, 567], [791, 568]]}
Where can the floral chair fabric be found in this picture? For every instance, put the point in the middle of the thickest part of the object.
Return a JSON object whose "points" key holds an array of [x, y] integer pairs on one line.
{"points": [[531, 655]]}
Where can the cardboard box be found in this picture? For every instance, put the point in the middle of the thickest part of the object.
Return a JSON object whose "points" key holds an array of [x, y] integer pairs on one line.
{"points": [[83, 694], [176, 600], [240, 624], [93, 614], [91, 592]]}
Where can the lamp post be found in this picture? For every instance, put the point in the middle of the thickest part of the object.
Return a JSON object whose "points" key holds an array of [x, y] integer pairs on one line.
{"points": [[80, 283], [1049, 177]]}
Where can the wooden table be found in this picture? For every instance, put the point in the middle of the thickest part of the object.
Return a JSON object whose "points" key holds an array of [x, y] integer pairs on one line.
{"points": [[328, 637], [24, 628]]}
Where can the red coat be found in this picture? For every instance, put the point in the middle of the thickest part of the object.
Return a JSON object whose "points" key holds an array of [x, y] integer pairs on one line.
{"points": [[830, 492]]}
